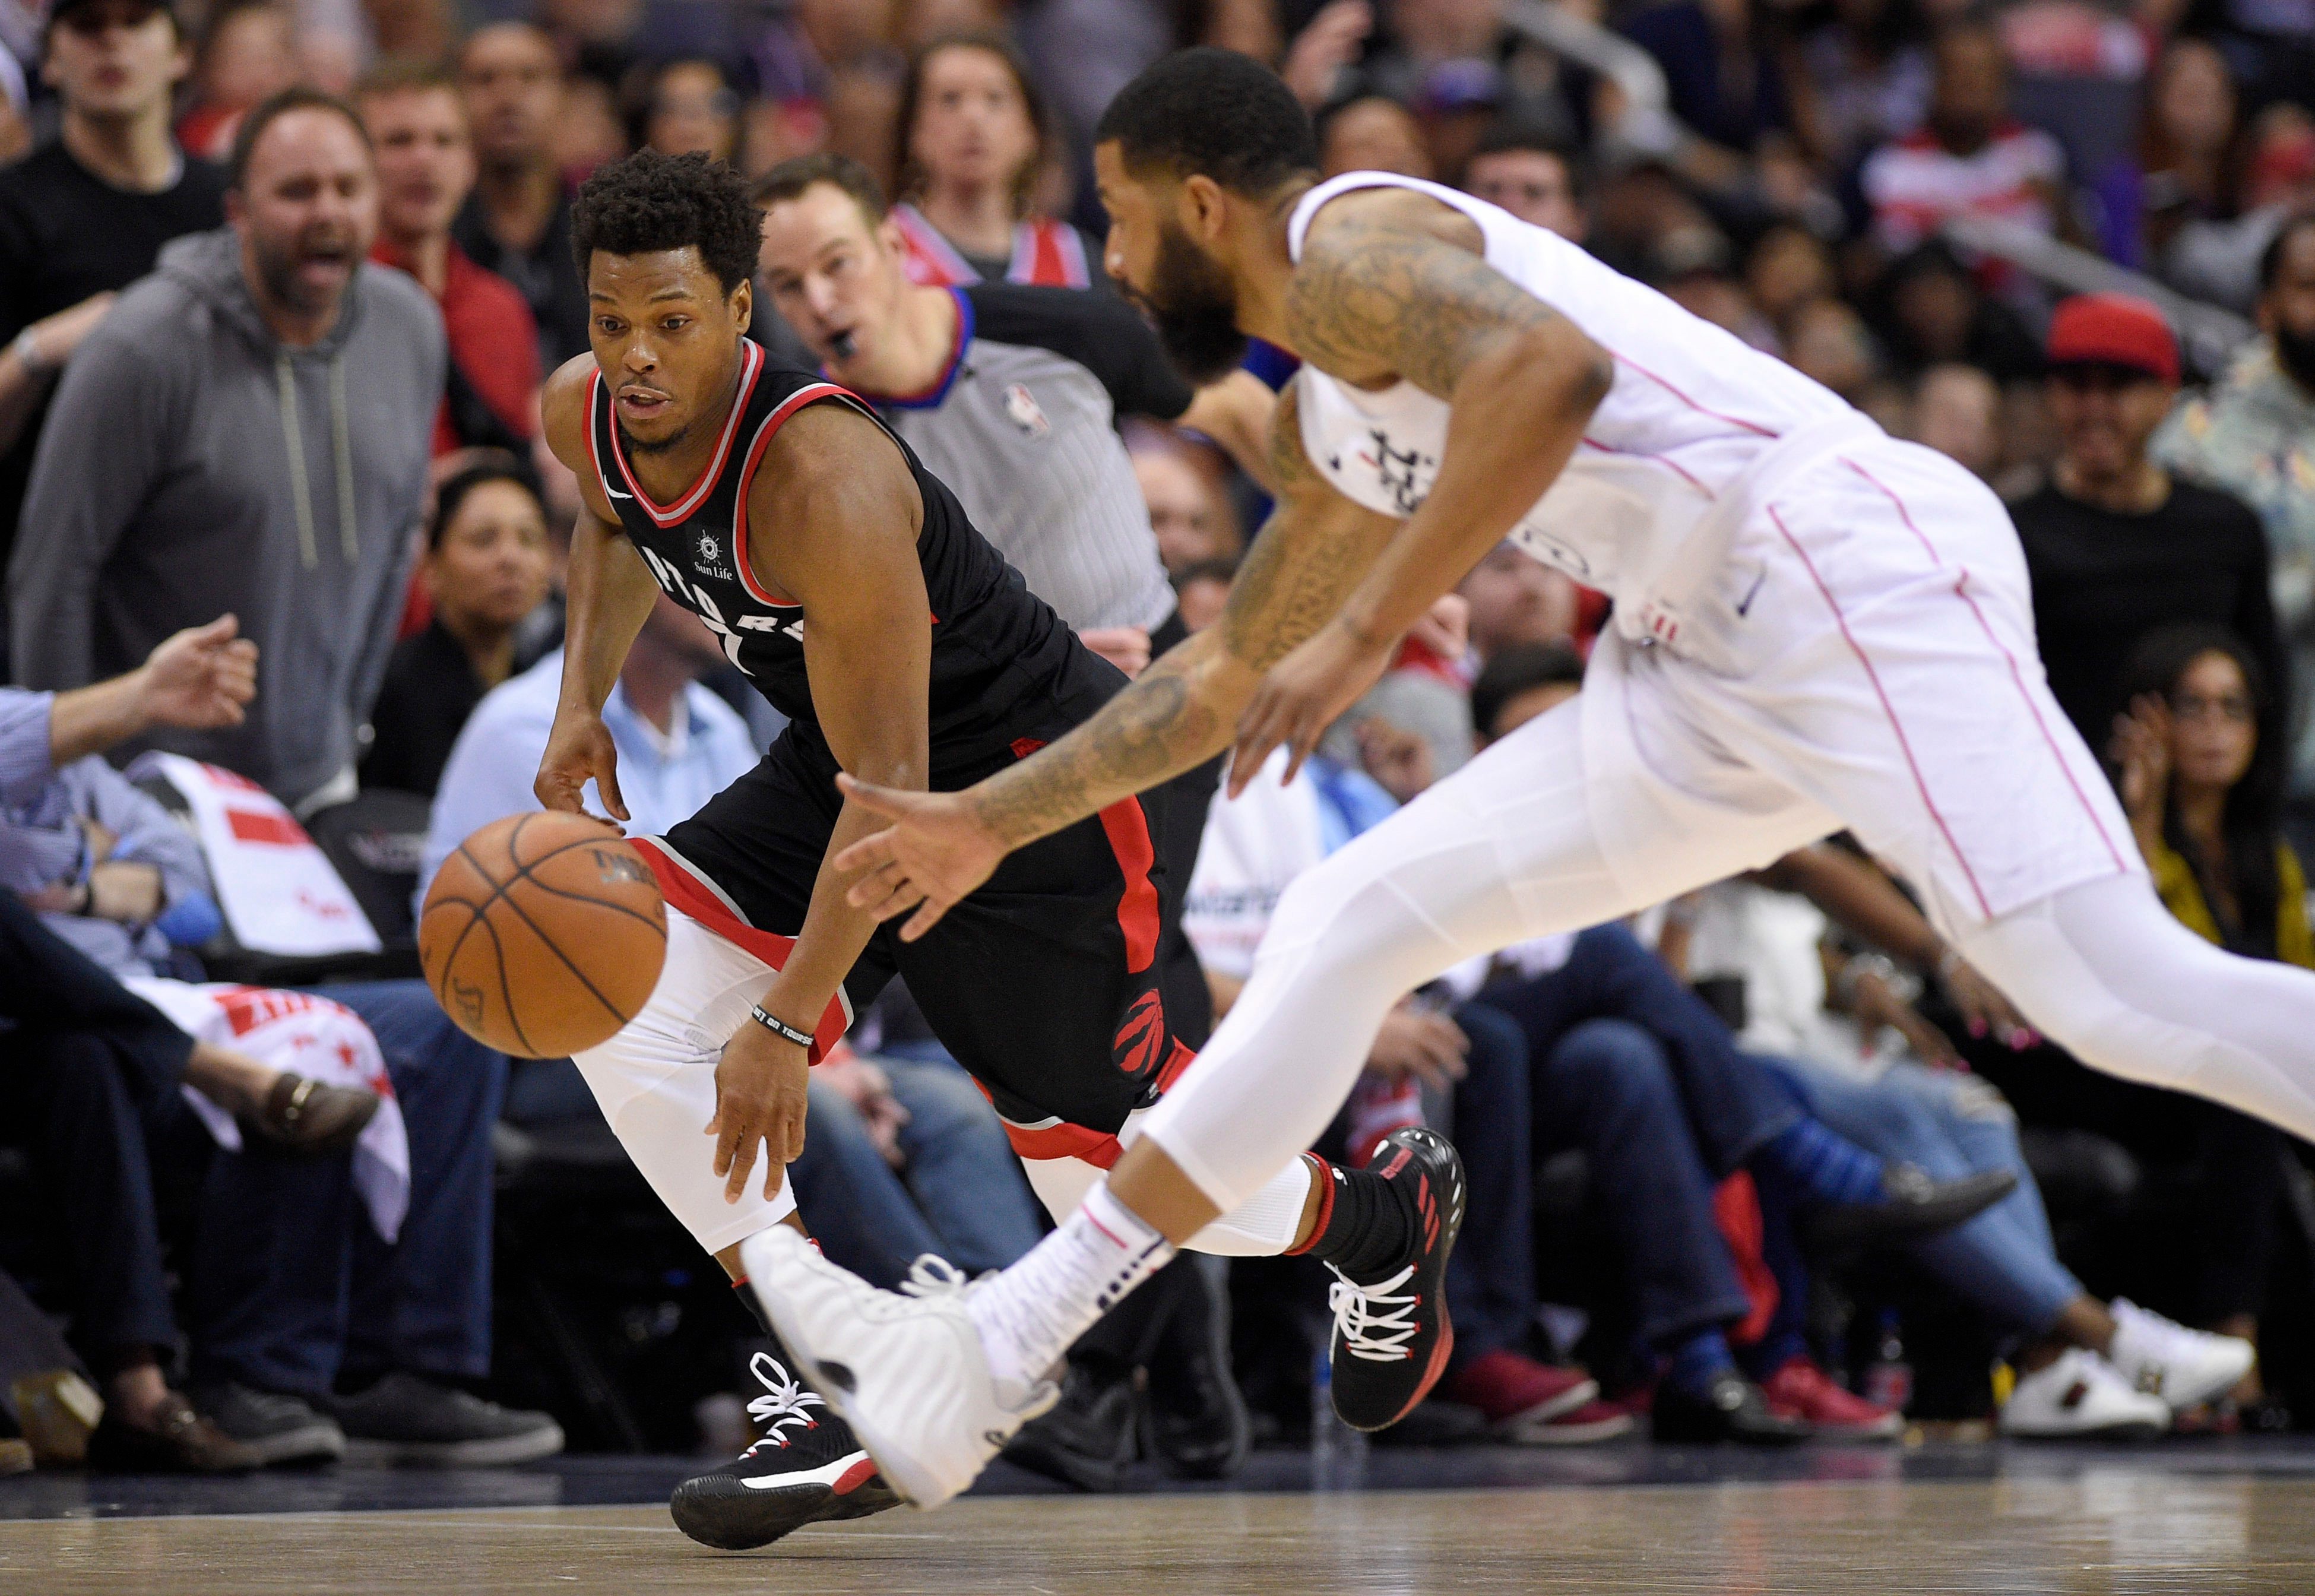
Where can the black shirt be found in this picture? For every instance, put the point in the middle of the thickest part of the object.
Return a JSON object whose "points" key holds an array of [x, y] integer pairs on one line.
{"points": [[996, 646], [430, 688], [545, 277], [2103, 580], [65, 234]]}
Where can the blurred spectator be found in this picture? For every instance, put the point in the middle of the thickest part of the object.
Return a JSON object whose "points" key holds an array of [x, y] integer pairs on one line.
{"points": [[975, 139], [2218, 259], [1451, 61], [1691, 267], [2253, 436], [1956, 411], [1863, 79], [1200, 591], [1531, 174], [1790, 268], [1933, 311], [679, 743], [2186, 146], [1192, 520], [1971, 159], [486, 568], [425, 171], [1516, 599], [1521, 682], [2116, 548], [1725, 83], [1828, 341], [517, 223], [150, 508], [692, 108], [85, 216], [248, 53], [1372, 134]]}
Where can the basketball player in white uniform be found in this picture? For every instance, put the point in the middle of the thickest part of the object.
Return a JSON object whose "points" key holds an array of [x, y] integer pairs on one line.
{"points": [[1816, 626]]}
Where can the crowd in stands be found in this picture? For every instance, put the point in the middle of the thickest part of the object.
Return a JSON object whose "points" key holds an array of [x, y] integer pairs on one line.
{"points": [[278, 285]]}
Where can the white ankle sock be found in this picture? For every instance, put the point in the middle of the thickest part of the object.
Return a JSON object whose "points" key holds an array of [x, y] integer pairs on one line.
{"points": [[1029, 1315]]}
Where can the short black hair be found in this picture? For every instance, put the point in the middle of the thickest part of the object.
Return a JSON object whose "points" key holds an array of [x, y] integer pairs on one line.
{"points": [[272, 108], [1520, 668], [648, 203], [1215, 112], [791, 178], [493, 465], [1505, 134], [2270, 259]]}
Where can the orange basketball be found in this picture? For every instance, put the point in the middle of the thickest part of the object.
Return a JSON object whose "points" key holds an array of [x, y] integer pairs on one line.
{"points": [[542, 934]]}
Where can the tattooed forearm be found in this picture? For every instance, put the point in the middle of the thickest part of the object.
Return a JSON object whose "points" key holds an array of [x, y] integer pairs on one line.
{"points": [[1157, 726], [1378, 293]]}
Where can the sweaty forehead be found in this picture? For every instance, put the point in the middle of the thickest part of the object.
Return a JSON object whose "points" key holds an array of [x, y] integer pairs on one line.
{"points": [[657, 275]]}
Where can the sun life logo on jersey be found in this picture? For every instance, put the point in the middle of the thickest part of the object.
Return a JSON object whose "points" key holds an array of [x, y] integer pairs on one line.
{"points": [[709, 562], [1022, 406]]}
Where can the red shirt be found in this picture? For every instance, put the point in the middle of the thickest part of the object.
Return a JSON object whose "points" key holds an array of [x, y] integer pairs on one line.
{"points": [[494, 344]]}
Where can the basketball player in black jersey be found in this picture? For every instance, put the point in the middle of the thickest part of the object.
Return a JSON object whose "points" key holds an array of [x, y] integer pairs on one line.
{"points": [[847, 583]]}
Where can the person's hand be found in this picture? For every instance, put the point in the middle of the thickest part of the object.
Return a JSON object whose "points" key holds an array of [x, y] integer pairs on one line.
{"points": [[578, 748], [1983, 1008], [1399, 760], [1304, 693], [1415, 1042], [101, 839], [865, 1085], [761, 1085], [2141, 747], [126, 891], [201, 678], [1876, 1008], [1329, 43], [1125, 647], [56, 338], [936, 852], [1446, 630]]}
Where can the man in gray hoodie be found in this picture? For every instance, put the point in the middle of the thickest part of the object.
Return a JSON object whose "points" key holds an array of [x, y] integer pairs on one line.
{"points": [[246, 433]]}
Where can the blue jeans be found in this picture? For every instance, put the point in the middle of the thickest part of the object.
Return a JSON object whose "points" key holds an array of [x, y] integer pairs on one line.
{"points": [[1733, 1108], [290, 1285], [960, 1193], [1953, 1125], [1607, 1087], [1491, 1273]]}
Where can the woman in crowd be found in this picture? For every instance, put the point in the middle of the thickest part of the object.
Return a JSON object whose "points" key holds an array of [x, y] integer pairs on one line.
{"points": [[487, 565], [974, 140]]}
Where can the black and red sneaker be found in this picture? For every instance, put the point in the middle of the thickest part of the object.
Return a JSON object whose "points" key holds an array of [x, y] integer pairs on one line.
{"points": [[1392, 1334], [808, 1469]]}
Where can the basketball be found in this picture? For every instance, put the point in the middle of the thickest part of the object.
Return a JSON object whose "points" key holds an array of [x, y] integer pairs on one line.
{"points": [[542, 934]]}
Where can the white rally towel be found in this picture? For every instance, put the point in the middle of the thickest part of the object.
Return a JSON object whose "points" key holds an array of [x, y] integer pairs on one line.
{"points": [[279, 891], [299, 1033]]}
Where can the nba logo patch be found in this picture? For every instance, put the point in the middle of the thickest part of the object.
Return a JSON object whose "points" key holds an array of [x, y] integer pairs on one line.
{"points": [[1022, 406]]}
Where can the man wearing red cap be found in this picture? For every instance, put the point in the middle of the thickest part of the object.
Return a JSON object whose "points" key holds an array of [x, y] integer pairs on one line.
{"points": [[2116, 546]]}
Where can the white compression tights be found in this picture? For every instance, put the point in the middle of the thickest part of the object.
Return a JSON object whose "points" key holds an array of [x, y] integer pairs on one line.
{"points": [[1504, 850]]}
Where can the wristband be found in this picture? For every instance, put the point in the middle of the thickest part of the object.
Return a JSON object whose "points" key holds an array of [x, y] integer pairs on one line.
{"points": [[780, 1027]]}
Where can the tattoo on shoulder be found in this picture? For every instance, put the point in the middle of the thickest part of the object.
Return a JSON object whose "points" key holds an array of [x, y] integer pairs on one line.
{"points": [[1373, 295]]}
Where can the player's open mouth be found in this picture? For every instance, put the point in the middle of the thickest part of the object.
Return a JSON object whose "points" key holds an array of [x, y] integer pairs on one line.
{"points": [[643, 401]]}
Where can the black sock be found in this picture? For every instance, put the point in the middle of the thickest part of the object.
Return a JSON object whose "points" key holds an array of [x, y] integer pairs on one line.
{"points": [[755, 1309], [1367, 1227]]}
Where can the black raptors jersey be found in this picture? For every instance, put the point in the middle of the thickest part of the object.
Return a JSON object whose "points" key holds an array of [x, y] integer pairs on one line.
{"points": [[996, 648]]}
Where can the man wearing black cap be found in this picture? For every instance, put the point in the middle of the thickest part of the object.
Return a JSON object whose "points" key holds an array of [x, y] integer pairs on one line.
{"points": [[88, 214], [2116, 546]]}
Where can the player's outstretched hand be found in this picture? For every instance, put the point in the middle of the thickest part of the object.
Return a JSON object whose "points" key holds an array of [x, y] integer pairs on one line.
{"points": [[579, 748], [935, 851], [1303, 695], [761, 1085]]}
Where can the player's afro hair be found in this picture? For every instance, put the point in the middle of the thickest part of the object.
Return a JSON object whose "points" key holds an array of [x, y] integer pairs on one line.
{"points": [[649, 202], [1212, 111]]}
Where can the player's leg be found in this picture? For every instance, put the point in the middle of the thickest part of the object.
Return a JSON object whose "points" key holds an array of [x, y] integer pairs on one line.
{"points": [[1275, 1220]]}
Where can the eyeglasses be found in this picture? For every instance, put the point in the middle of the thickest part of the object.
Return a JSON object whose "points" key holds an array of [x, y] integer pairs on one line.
{"points": [[2230, 708]]}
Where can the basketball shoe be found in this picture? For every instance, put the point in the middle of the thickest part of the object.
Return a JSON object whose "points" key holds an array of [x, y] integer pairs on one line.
{"points": [[807, 1469], [906, 1371], [1392, 1334]]}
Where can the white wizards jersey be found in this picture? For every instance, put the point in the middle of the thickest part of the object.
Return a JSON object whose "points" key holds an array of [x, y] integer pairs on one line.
{"points": [[1693, 414]]}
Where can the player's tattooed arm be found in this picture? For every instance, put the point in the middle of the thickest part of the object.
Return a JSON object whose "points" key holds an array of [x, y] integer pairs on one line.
{"points": [[1181, 711]]}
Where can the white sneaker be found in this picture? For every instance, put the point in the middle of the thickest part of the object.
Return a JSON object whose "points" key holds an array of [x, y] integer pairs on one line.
{"points": [[2181, 1366], [2082, 1395], [906, 1372]]}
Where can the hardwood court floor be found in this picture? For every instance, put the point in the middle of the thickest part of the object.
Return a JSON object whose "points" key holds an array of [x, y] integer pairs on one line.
{"points": [[2100, 1533]]}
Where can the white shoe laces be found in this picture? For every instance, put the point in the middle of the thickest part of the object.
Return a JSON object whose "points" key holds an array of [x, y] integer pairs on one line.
{"points": [[783, 1401], [932, 1275], [1377, 1336]]}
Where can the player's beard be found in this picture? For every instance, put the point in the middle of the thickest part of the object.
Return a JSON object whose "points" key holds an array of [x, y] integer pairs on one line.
{"points": [[1195, 304]]}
